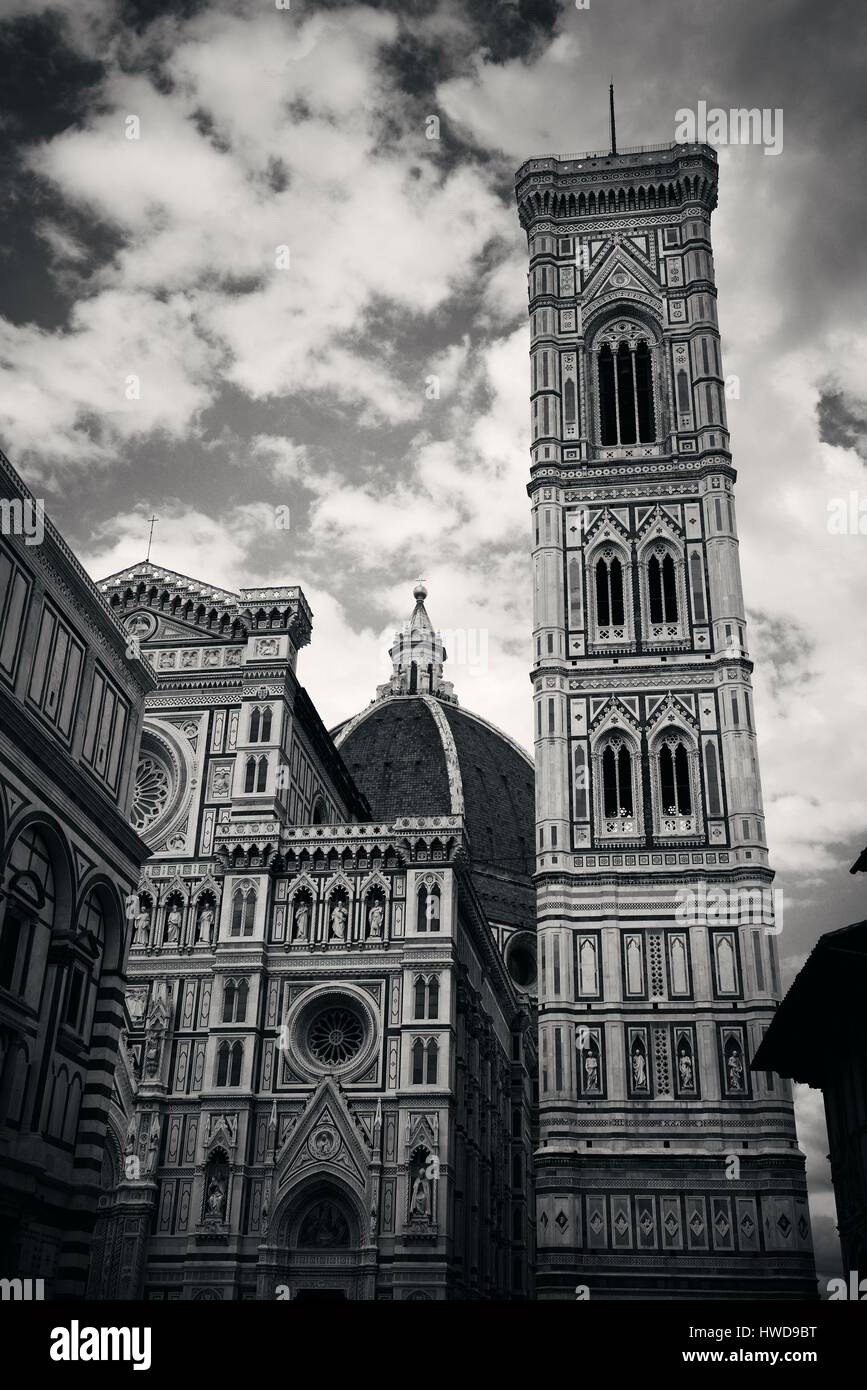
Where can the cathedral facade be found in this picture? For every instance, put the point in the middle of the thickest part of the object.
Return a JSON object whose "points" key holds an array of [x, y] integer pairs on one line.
{"points": [[327, 1081], [665, 1166]]}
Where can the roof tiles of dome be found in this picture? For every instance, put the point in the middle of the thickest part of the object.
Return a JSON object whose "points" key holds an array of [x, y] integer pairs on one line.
{"points": [[414, 752]]}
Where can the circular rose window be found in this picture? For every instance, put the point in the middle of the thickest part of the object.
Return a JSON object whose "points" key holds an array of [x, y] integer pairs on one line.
{"points": [[153, 787], [335, 1035]]}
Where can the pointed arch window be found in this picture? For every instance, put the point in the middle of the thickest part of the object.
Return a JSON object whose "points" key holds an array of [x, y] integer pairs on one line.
{"points": [[674, 778], [662, 588], [243, 911], [625, 386], [230, 1057], [250, 775], [617, 797], [428, 918], [608, 573], [254, 726]]}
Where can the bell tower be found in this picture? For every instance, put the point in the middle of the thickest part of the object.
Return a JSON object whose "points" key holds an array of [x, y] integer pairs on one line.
{"points": [[666, 1167]]}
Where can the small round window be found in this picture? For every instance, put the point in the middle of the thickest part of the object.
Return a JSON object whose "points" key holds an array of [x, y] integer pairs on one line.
{"points": [[521, 959]]}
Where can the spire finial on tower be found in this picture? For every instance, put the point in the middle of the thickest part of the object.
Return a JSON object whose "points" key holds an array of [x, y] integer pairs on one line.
{"points": [[419, 593], [611, 115]]}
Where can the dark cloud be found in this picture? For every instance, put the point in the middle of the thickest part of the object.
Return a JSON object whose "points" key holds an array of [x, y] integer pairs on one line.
{"points": [[843, 422]]}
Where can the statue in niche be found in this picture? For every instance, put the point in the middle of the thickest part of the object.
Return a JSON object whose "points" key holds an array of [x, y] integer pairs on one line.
{"points": [[153, 1049], [639, 1070], [302, 920], [735, 1070], [591, 1072], [173, 926], [374, 921], [684, 1066], [153, 1144], [142, 929], [129, 1146], [338, 921], [420, 1195], [216, 1202], [205, 926]]}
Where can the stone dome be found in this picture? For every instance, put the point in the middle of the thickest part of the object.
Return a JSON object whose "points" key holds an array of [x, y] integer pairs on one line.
{"points": [[415, 752]]}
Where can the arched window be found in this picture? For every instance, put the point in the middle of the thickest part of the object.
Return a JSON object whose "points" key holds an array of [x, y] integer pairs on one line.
{"points": [[250, 775], [617, 780], [265, 733], [243, 912], [30, 900], [713, 793], [84, 968], [674, 778], [609, 591], [625, 384], [433, 998], [229, 1001], [432, 1060], [254, 726], [428, 918], [235, 1067], [262, 774], [420, 997], [662, 588], [418, 1062], [221, 1078]]}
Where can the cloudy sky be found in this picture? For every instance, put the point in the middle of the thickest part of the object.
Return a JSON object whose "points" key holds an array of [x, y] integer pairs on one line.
{"points": [[233, 260]]}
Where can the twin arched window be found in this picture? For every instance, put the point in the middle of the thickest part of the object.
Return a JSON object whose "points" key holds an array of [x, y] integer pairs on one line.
{"points": [[425, 1059], [229, 1059], [621, 787], [260, 725], [427, 997], [626, 410], [256, 774], [235, 1001], [243, 912], [428, 908]]}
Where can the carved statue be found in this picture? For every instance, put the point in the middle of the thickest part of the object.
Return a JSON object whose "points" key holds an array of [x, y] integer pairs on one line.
{"points": [[216, 1199], [205, 927], [736, 1071], [142, 929], [639, 1070], [302, 920], [153, 1144], [374, 920], [338, 922], [129, 1146], [153, 1050], [591, 1072], [419, 1202], [173, 926], [685, 1069]]}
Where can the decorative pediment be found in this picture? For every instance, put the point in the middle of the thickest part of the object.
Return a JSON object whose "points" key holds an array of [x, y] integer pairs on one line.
{"points": [[658, 521], [614, 714], [375, 880], [175, 885], [338, 881], [422, 1130], [620, 272], [303, 881], [672, 710], [208, 885], [324, 1140], [222, 1133], [608, 522]]}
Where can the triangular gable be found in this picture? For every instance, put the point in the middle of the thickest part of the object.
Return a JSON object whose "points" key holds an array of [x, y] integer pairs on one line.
{"points": [[616, 518], [620, 271], [325, 1140], [614, 714], [671, 707], [659, 520]]}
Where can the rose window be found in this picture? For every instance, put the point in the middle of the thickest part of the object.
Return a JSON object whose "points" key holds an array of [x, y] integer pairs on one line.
{"points": [[152, 790], [335, 1036]]}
